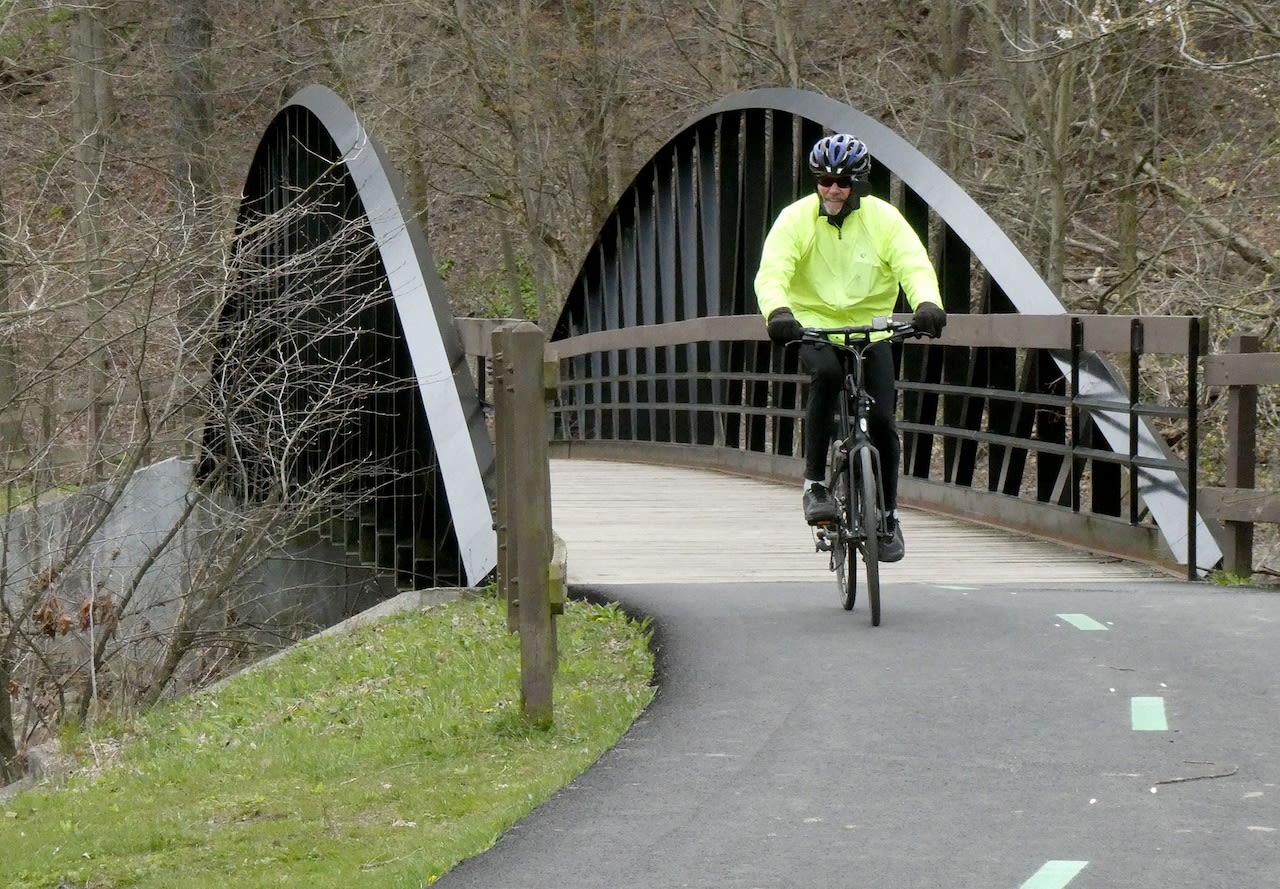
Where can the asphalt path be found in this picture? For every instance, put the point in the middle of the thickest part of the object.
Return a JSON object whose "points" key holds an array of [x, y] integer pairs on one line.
{"points": [[976, 739]]}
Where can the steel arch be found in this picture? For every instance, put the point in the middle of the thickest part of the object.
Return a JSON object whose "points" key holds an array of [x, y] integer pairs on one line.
{"points": [[684, 240], [425, 512]]}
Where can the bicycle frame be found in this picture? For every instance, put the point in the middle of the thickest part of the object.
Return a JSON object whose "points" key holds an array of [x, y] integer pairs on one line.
{"points": [[854, 409], [856, 480]]}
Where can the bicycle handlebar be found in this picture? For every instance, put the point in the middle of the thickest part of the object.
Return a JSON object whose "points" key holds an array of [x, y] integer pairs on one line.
{"points": [[897, 330]]}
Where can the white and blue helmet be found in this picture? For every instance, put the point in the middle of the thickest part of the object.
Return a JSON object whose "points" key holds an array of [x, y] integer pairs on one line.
{"points": [[840, 155]]}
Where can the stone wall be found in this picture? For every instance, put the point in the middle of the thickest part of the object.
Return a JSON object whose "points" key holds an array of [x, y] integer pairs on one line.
{"points": [[286, 595]]}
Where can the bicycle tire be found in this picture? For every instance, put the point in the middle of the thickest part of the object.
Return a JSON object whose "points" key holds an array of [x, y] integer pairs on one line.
{"points": [[844, 555], [868, 525]]}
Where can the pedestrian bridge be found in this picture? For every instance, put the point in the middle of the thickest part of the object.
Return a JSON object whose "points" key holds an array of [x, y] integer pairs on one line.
{"points": [[714, 395], [1083, 430]]}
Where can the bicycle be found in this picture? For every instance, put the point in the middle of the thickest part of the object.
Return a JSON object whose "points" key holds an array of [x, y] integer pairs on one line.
{"points": [[854, 475]]}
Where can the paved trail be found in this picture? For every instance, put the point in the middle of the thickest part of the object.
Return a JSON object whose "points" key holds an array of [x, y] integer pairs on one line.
{"points": [[983, 737]]}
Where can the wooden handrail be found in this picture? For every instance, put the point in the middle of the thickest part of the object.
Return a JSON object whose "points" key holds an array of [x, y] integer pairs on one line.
{"points": [[1166, 335], [1102, 333], [1242, 369]]}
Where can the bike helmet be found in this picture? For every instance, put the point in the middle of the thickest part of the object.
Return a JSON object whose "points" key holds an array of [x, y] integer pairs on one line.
{"points": [[840, 155]]}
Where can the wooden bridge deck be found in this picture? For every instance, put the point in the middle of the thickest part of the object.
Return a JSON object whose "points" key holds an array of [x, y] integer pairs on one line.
{"points": [[627, 523]]}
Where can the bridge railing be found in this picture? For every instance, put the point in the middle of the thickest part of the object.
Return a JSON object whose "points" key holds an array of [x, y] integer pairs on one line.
{"points": [[1237, 504], [1000, 422]]}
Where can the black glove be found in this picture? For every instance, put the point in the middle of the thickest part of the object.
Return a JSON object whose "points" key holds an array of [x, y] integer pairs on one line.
{"points": [[783, 326], [929, 319]]}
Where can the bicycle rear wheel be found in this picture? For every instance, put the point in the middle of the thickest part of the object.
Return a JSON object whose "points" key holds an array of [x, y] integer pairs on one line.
{"points": [[867, 525], [844, 554]]}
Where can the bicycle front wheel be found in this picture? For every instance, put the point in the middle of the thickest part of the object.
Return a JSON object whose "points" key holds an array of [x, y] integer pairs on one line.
{"points": [[867, 506], [844, 552]]}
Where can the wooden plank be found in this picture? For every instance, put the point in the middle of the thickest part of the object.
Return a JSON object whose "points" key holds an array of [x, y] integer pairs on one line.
{"points": [[1167, 334], [669, 524], [1106, 333], [722, 327], [1240, 504], [1005, 330], [1254, 369], [477, 334], [1161, 334]]}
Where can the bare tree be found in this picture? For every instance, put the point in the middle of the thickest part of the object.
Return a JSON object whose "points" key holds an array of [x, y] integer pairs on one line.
{"points": [[1225, 34], [190, 37], [92, 111], [12, 440], [82, 623]]}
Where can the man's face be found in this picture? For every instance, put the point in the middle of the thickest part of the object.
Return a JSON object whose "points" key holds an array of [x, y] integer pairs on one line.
{"points": [[834, 192]]}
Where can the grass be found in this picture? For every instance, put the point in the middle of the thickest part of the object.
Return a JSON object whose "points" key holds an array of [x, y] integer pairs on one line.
{"points": [[383, 757], [1226, 578], [14, 496]]}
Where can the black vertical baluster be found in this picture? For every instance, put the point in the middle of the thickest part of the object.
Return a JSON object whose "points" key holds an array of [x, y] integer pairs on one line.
{"points": [[1136, 346], [1193, 443], [1073, 468]]}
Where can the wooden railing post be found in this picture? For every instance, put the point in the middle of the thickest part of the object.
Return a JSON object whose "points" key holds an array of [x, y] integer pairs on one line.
{"points": [[503, 386], [1242, 409], [524, 509]]}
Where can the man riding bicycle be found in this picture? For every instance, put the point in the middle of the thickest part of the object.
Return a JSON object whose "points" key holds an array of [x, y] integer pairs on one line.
{"points": [[837, 258]]}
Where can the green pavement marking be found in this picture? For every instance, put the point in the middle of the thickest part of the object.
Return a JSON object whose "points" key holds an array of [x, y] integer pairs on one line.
{"points": [[1082, 622], [1054, 875], [1148, 715]]}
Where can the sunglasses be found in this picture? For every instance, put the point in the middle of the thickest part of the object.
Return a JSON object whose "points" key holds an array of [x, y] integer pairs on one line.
{"points": [[841, 181]]}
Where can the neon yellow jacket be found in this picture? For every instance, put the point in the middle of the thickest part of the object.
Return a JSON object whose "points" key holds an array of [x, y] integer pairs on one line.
{"points": [[836, 277]]}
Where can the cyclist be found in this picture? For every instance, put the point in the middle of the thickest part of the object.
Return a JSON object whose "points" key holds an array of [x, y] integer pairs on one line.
{"points": [[837, 258]]}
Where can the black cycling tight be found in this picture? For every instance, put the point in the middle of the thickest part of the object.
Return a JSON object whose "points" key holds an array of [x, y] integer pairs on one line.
{"points": [[826, 380]]}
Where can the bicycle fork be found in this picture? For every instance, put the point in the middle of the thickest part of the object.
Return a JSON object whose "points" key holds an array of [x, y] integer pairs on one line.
{"points": [[855, 475], [861, 439]]}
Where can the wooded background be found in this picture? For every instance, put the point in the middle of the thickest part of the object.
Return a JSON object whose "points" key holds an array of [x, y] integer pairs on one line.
{"points": [[1128, 147]]}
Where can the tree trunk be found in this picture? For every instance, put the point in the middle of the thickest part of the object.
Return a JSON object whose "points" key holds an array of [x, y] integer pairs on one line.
{"points": [[190, 36], [12, 441], [91, 109], [597, 119], [956, 147], [8, 742], [1059, 145], [512, 269], [784, 29], [732, 22]]}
